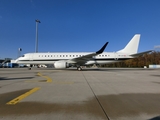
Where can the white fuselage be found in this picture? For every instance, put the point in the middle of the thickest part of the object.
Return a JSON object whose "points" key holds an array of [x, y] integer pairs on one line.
{"points": [[51, 58]]}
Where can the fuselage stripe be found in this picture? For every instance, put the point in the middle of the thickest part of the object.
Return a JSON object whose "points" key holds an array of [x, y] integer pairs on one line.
{"points": [[105, 59]]}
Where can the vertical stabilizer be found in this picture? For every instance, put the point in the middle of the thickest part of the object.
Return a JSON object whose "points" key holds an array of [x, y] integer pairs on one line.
{"points": [[132, 46]]}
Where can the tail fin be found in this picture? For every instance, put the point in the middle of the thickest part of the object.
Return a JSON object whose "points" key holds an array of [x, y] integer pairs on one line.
{"points": [[132, 46]]}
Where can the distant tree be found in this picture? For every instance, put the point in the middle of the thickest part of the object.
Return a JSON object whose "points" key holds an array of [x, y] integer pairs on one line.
{"points": [[141, 61]]}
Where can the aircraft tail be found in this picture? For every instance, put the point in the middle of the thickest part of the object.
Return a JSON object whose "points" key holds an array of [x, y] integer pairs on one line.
{"points": [[132, 46]]}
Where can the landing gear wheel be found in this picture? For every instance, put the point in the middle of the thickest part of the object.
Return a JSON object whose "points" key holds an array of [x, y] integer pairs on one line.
{"points": [[30, 67], [79, 68]]}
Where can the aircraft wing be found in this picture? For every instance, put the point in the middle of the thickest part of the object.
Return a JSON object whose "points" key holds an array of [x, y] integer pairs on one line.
{"points": [[141, 53], [83, 59]]}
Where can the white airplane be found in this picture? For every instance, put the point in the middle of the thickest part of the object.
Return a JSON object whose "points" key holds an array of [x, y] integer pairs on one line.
{"points": [[65, 60]]}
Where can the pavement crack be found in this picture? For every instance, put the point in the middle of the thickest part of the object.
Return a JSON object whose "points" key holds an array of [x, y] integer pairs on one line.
{"points": [[96, 98]]}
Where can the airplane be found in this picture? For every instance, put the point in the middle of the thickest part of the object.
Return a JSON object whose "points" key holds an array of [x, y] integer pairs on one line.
{"points": [[78, 59]]}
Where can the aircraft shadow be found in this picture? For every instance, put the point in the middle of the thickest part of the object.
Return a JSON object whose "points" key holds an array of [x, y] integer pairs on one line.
{"points": [[155, 118], [97, 69], [5, 78]]}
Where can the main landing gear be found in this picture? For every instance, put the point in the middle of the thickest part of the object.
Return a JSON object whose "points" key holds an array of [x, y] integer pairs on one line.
{"points": [[79, 68], [30, 67]]}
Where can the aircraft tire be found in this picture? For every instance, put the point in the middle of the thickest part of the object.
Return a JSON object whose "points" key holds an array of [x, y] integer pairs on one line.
{"points": [[79, 68]]}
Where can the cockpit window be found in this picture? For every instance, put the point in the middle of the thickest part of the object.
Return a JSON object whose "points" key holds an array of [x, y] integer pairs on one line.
{"points": [[23, 55]]}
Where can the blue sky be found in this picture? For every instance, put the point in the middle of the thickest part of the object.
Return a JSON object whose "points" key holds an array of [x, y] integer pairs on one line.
{"points": [[77, 25]]}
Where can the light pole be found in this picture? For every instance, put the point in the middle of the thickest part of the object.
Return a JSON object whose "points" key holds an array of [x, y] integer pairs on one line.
{"points": [[36, 47], [19, 52]]}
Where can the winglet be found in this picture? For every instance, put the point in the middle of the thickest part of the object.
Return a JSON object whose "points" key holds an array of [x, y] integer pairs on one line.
{"points": [[102, 49]]}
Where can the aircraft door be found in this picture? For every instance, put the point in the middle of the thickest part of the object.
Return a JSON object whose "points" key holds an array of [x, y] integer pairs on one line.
{"points": [[115, 56]]}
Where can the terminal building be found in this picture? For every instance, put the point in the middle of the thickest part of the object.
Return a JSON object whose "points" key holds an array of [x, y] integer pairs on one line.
{"points": [[154, 66]]}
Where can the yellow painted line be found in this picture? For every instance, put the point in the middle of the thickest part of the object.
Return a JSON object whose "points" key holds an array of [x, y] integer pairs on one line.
{"points": [[18, 99], [54, 82], [48, 78]]}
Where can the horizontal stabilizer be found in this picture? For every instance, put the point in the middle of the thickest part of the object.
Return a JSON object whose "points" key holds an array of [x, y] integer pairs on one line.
{"points": [[141, 53]]}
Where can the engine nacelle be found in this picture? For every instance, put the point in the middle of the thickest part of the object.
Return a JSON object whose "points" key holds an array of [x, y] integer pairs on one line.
{"points": [[61, 64]]}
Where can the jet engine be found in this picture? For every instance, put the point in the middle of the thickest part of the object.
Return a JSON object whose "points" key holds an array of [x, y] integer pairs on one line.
{"points": [[61, 64]]}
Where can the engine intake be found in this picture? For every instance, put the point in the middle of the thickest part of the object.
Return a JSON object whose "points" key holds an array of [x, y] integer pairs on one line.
{"points": [[61, 64]]}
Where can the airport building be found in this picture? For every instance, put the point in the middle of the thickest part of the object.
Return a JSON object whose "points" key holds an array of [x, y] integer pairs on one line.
{"points": [[154, 66], [8, 63]]}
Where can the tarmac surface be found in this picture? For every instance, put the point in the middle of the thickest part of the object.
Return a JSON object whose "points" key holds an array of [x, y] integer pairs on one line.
{"points": [[91, 94]]}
